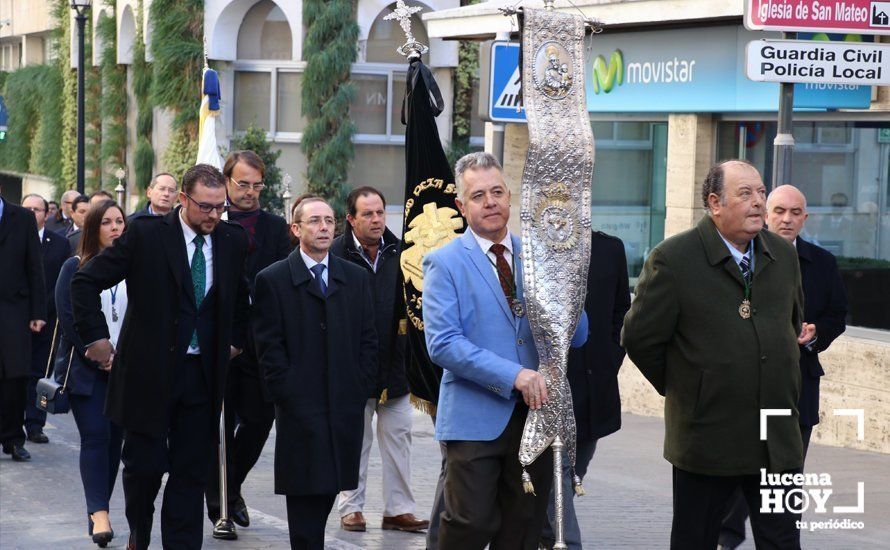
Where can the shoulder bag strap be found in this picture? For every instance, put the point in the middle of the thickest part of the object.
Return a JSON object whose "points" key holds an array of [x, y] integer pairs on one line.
{"points": [[52, 348], [70, 358]]}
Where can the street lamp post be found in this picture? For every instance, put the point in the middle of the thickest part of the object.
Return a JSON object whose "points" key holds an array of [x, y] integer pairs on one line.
{"points": [[81, 7]]}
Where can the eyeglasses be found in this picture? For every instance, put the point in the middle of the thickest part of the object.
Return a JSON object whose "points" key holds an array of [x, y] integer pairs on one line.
{"points": [[245, 185], [34, 208], [317, 220], [205, 208]]}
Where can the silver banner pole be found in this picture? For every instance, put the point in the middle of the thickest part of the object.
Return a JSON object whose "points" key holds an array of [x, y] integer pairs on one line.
{"points": [[224, 528]]}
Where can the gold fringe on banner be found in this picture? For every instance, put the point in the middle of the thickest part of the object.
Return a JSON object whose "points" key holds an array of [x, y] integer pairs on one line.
{"points": [[423, 405]]}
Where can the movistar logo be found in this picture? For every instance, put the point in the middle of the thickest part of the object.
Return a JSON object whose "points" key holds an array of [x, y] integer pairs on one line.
{"points": [[606, 77]]}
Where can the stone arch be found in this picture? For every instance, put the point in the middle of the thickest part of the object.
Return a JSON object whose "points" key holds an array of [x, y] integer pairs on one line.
{"points": [[126, 36], [265, 33], [222, 22], [443, 53], [97, 15]]}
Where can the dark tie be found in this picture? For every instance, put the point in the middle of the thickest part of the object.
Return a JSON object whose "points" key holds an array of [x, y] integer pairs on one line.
{"points": [[199, 278], [745, 266], [505, 274], [317, 270]]}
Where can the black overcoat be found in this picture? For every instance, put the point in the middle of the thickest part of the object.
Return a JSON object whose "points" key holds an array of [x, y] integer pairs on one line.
{"points": [[593, 368], [825, 305], [272, 243], [388, 309], [319, 356], [22, 288], [151, 256], [55, 249]]}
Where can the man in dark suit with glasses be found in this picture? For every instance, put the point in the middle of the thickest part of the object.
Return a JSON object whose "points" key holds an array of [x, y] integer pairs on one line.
{"points": [[186, 319]]}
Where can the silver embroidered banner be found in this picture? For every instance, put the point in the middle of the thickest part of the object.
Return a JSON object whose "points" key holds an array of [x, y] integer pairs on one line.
{"points": [[555, 211]]}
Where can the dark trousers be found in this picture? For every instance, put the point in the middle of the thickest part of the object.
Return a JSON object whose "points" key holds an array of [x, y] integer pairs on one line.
{"points": [[701, 502], [732, 533], [306, 519], [100, 446], [432, 533], [12, 411], [484, 499], [35, 418], [249, 419], [184, 452]]}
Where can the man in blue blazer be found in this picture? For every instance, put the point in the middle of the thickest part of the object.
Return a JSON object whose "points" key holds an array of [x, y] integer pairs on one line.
{"points": [[489, 361]]}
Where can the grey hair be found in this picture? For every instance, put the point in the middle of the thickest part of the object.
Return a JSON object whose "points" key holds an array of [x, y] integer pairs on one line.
{"points": [[473, 161]]}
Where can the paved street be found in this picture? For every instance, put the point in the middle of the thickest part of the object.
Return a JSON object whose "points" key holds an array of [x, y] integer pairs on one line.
{"points": [[627, 504]]}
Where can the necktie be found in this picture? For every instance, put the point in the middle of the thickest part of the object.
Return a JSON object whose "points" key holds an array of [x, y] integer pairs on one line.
{"points": [[318, 269], [745, 266], [505, 274], [199, 278]]}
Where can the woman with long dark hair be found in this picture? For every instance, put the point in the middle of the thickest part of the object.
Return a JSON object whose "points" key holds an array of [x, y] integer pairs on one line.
{"points": [[87, 381]]}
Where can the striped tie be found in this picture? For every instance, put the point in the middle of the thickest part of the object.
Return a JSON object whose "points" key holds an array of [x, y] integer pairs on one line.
{"points": [[745, 266], [318, 270]]}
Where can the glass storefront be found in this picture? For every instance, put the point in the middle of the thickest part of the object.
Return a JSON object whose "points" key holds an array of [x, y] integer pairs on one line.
{"points": [[843, 169], [628, 192]]}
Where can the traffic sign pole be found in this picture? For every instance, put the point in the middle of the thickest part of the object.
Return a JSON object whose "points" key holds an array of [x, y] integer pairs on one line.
{"points": [[783, 145]]}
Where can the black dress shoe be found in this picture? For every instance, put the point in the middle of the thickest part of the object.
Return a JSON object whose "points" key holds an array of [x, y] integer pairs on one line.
{"points": [[239, 513], [38, 436], [18, 453]]}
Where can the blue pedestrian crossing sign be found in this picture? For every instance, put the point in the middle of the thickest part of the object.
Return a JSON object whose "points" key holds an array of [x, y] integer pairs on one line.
{"points": [[504, 99], [3, 118]]}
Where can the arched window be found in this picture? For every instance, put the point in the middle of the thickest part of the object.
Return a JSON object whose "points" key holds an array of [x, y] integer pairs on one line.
{"points": [[265, 33], [386, 36]]}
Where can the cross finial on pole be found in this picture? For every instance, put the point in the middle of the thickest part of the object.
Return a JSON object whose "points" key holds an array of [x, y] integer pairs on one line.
{"points": [[402, 13]]}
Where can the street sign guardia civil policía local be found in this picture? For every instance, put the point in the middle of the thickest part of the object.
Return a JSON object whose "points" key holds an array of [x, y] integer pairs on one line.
{"points": [[822, 62]]}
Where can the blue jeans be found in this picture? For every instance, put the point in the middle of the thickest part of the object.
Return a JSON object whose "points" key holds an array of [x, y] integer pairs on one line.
{"points": [[100, 446], [571, 529]]}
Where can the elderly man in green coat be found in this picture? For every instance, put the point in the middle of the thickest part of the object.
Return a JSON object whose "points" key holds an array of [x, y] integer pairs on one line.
{"points": [[715, 328]]}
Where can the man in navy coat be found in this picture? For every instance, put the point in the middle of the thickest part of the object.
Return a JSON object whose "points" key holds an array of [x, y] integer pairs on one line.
{"points": [[55, 251], [313, 325], [825, 310]]}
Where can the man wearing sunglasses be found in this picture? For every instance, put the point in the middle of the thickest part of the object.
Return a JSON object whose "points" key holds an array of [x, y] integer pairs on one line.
{"points": [[247, 398], [186, 319]]}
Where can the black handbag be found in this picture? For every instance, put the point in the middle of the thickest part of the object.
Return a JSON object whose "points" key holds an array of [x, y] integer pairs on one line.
{"points": [[51, 396]]}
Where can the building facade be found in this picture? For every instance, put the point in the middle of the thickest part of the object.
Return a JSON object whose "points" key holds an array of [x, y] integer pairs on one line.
{"points": [[682, 103], [256, 46]]}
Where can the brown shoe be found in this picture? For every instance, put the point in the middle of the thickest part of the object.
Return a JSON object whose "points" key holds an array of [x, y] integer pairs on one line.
{"points": [[353, 522], [405, 522]]}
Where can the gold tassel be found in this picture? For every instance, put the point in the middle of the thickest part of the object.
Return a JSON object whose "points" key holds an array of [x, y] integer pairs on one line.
{"points": [[527, 484], [423, 405], [576, 483], [382, 398]]}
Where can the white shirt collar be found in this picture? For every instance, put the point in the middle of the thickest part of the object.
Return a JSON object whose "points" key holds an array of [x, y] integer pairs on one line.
{"points": [[187, 230], [736, 255], [40, 233], [310, 263], [485, 244]]}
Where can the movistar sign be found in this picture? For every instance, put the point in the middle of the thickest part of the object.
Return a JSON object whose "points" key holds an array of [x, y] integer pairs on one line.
{"points": [[606, 77], [669, 71]]}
